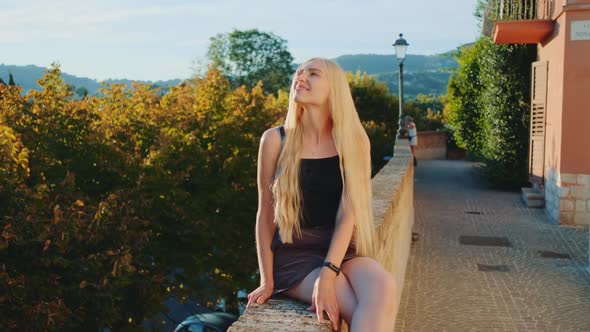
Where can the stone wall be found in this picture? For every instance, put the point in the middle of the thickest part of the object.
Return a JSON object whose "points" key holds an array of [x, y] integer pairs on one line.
{"points": [[567, 197], [431, 145], [393, 207]]}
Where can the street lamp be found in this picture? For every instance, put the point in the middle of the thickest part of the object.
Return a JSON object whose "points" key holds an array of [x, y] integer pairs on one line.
{"points": [[401, 46]]}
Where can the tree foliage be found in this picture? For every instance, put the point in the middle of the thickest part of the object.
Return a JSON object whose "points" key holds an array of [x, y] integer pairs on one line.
{"points": [[489, 108], [464, 89], [427, 112], [250, 56], [112, 204], [378, 111], [11, 79]]}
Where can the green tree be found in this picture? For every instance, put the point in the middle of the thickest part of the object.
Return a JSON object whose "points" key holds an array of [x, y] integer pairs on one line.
{"points": [[480, 11], [505, 103], [82, 92], [249, 56], [11, 80], [377, 110], [427, 112], [112, 204], [464, 88], [489, 108]]}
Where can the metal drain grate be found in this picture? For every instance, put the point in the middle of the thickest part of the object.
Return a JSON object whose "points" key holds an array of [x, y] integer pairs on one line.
{"points": [[473, 212], [491, 241], [493, 268], [553, 254]]}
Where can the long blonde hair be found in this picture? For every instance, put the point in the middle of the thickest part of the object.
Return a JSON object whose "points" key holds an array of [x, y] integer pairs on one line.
{"points": [[353, 148]]}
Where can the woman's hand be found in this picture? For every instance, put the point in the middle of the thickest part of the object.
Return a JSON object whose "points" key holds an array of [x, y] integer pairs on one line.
{"points": [[260, 294], [324, 298]]}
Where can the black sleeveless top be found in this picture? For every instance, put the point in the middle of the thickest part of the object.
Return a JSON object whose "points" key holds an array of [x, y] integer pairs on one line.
{"points": [[321, 190]]}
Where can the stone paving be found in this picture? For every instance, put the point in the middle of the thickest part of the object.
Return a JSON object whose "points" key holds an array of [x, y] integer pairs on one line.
{"points": [[508, 286]]}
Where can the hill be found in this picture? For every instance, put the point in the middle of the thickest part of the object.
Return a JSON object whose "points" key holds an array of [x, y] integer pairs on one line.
{"points": [[426, 74], [27, 76]]}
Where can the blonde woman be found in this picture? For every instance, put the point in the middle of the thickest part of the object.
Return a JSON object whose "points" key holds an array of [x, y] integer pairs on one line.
{"points": [[412, 136], [314, 226]]}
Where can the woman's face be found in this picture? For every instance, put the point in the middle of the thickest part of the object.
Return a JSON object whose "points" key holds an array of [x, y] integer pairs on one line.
{"points": [[311, 85]]}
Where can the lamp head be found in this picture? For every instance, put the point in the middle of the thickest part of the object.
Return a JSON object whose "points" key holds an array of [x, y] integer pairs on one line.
{"points": [[401, 46]]}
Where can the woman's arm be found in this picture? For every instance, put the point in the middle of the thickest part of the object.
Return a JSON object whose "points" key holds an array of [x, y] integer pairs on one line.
{"points": [[324, 292], [267, 157], [344, 224], [342, 232]]}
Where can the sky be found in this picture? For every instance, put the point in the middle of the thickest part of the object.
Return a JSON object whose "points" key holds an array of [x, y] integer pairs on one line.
{"points": [[159, 40]]}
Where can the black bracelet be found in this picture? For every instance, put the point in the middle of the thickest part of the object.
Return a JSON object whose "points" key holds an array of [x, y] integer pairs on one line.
{"points": [[332, 267]]}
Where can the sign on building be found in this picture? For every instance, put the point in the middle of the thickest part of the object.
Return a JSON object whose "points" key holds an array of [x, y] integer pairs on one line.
{"points": [[580, 30]]}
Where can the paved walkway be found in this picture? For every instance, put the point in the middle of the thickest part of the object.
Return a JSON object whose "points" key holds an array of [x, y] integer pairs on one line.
{"points": [[454, 284]]}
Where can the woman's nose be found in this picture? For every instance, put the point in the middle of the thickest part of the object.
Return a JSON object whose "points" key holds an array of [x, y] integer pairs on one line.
{"points": [[301, 76]]}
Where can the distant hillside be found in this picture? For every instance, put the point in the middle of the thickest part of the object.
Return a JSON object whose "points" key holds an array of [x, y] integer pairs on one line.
{"points": [[27, 76], [426, 74], [378, 63]]}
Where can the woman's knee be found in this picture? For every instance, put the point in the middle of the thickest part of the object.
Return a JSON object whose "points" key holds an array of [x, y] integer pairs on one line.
{"points": [[371, 282]]}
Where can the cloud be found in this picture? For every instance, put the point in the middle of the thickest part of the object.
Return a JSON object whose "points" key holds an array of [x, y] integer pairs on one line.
{"points": [[76, 20]]}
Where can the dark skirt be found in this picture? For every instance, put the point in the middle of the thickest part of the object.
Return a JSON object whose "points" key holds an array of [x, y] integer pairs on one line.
{"points": [[292, 262]]}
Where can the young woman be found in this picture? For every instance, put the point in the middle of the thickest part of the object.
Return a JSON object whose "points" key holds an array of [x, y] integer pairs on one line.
{"points": [[412, 136], [314, 226]]}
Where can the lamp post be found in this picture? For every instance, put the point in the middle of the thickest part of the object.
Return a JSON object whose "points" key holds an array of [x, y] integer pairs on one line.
{"points": [[401, 46]]}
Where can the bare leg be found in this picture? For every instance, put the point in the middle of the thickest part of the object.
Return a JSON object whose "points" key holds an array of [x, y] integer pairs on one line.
{"points": [[345, 295], [375, 289]]}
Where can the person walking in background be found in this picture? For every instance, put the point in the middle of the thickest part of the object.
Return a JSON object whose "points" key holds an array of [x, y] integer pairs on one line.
{"points": [[314, 226], [412, 136]]}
